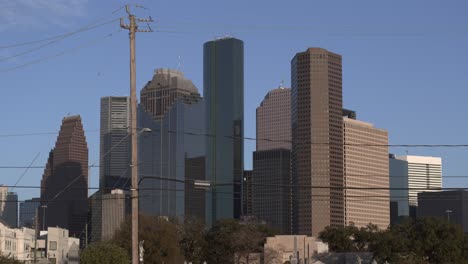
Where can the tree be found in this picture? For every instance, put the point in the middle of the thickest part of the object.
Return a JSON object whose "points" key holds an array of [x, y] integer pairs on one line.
{"points": [[104, 253], [339, 239], [229, 241], [192, 241], [161, 243]]}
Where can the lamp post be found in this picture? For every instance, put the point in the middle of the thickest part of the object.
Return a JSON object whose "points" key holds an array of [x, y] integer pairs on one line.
{"points": [[44, 207], [448, 211]]}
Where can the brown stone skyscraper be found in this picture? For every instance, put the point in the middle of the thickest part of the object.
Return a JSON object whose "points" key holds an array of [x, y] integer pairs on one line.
{"points": [[274, 120], [317, 135], [65, 180], [366, 166]]}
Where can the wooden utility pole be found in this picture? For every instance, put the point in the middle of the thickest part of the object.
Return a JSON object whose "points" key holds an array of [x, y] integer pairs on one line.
{"points": [[133, 28], [36, 223]]}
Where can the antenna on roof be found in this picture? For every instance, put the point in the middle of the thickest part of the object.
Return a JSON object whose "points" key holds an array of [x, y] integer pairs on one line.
{"points": [[281, 86], [179, 63]]}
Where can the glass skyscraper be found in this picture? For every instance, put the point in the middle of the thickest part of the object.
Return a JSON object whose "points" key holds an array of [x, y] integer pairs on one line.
{"points": [[173, 153], [223, 89]]}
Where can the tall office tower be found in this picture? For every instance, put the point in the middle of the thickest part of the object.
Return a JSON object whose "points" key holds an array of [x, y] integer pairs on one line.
{"points": [[274, 120], [27, 212], [10, 212], [365, 166], [114, 143], [271, 194], [223, 88], [317, 141], [65, 180], [271, 188], [247, 193], [415, 174], [174, 111], [8, 207], [108, 211]]}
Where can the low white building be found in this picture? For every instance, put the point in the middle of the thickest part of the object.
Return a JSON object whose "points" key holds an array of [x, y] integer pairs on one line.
{"points": [[17, 243], [279, 249], [56, 246]]}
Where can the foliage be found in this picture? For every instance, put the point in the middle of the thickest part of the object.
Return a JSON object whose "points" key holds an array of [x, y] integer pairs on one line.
{"points": [[192, 241], [229, 241], [422, 240], [104, 253], [161, 244], [5, 260]]}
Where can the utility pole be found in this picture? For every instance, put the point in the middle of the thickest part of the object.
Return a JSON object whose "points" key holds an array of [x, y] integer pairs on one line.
{"points": [[133, 28], [36, 223]]}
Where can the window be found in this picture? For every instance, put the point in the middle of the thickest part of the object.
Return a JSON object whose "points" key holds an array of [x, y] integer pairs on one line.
{"points": [[53, 245]]}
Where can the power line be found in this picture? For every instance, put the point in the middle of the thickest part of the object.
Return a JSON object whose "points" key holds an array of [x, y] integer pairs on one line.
{"points": [[84, 28], [25, 171], [39, 134], [86, 44], [57, 40]]}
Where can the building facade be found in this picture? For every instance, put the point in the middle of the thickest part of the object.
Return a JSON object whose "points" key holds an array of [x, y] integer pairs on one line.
{"points": [[273, 121], [223, 89], [292, 249], [317, 141], [64, 184], [27, 212], [449, 205], [173, 110], [108, 211], [17, 243], [56, 245], [114, 157], [247, 193], [366, 174], [271, 188], [8, 207], [410, 175]]}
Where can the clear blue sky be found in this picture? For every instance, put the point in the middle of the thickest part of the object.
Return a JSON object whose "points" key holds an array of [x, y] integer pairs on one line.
{"points": [[405, 66]]}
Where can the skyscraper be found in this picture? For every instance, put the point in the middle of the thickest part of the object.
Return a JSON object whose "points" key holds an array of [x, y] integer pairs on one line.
{"points": [[271, 180], [174, 111], [64, 185], [317, 141], [223, 88], [366, 166], [28, 212], [271, 188], [9, 205], [114, 143], [247, 193], [274, 120], [108, 213], [413, 174]]}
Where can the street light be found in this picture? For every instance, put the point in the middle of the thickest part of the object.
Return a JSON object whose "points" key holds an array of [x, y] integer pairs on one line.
{"points": [[448, 211], [43, 216]]}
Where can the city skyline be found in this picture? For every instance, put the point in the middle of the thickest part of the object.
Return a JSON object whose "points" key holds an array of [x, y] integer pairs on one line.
{"points": [[358, 61]]}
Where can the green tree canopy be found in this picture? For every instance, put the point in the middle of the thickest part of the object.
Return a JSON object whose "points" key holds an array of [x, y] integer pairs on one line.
{"points": [[104, 253], [161, 241]]}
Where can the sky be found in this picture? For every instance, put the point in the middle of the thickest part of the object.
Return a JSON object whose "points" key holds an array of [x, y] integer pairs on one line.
{"points": [[405, 67]]}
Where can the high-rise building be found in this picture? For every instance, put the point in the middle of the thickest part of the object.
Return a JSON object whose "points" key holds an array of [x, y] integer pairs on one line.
{"points": [[223, 89], [449, 205], [108, 211], [274, 120], [410, 175], [247, 193], [174, 111], [27, 212], [271, 188], [64, 185], [10, 211], [8, 207], [317, 141], [271, 194], [365, 168], [114, 143]]}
